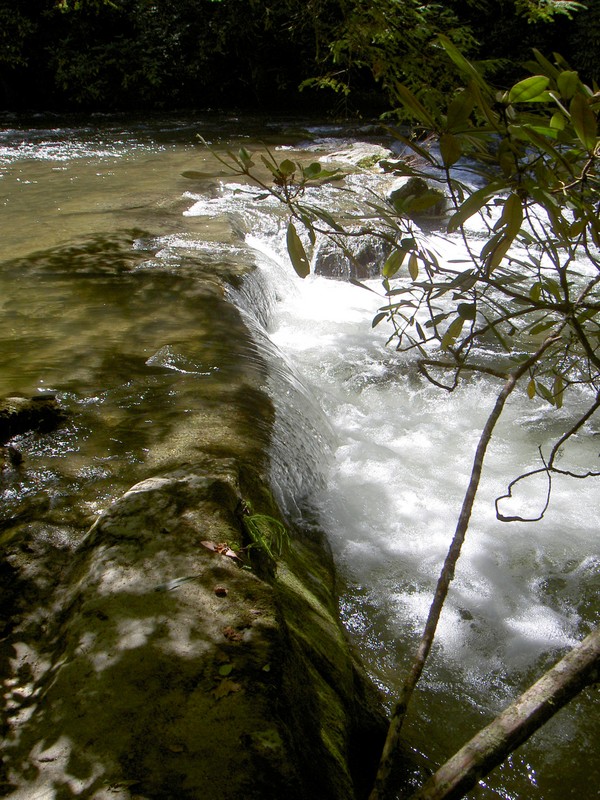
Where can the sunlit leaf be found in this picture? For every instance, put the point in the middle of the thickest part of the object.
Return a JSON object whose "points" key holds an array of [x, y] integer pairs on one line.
{"points": [[558, 121], [471, 206], [297, 252], [558, 391], [287, 167], [394, 262], [312, 170], [528, 89], [245, 158], [531, 389], [413, 266]]}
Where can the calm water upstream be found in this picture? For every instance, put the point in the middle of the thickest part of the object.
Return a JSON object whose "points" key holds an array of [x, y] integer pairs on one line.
{"points": [[107, 301]]}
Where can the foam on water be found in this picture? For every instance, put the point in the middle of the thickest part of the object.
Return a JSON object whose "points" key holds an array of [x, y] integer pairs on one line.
{"points": [[396, 482]]}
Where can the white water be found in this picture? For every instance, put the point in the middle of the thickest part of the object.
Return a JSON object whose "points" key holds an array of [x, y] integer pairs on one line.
{"points": [[383, 459], [389, 498]]}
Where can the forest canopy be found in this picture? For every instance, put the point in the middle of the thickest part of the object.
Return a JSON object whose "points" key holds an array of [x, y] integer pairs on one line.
{"points": [[268, 54]]}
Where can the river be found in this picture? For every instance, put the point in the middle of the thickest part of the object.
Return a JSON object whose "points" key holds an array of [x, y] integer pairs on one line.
{"points": [[107, 301]]}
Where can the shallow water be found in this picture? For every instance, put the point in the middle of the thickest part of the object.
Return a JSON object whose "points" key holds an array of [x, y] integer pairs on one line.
{"points": [[107, 300]]}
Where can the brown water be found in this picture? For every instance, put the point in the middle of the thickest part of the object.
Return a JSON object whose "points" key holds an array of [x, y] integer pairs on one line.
{"points": [[130, 334]]}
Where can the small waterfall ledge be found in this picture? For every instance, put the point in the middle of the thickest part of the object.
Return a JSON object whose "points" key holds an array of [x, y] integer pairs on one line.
{"points": [[153, 667]]}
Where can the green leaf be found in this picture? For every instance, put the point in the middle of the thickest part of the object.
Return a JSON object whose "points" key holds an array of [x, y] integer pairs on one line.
{"points": [[245, 158], [546, 65], [461, 62], [450, 148], [460, 109], [471, 206], [536, 291], [377, 319], [512, 215], [527, 90], [553, 287], [411, 103], [544, 392], [452, 332], [496, 248], [467, 310], [394, 262], [541, 327], [225, 670], [296, 252], [531, 389], [287, 167], [558, 391], [312, 170], [413, 266], [584, 121], [568, 83]]}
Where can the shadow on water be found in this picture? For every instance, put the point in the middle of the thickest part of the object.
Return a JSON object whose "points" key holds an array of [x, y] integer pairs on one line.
{"points": [[134, 350]]}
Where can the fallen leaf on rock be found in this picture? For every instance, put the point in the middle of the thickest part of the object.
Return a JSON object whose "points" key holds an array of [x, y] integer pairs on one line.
{"points": [[231, 634], [226, 687], [221, 548], [221, 591]]}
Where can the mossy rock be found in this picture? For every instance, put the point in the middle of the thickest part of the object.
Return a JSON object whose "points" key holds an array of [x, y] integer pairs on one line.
{"points": [[417, 199]]}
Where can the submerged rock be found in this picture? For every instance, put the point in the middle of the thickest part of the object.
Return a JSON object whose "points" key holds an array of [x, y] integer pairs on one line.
{"points": [[22, 414]]}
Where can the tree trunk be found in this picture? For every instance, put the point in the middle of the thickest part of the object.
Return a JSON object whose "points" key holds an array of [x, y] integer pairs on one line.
{"points": [[578, 669]]}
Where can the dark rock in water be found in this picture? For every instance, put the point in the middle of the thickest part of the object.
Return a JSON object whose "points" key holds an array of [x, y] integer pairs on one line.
{"points": [[364, 258], [416, 199], [10, 456], [22, 414]]}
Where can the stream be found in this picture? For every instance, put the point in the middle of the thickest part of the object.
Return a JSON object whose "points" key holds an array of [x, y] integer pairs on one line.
{"points": [[107, 301]]}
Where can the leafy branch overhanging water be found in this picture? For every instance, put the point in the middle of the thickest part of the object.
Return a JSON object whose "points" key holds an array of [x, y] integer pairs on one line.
{"points": [[524, 163]]}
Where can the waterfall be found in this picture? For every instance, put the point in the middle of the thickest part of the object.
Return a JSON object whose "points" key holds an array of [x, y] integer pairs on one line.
{"points": [[395, 458]]}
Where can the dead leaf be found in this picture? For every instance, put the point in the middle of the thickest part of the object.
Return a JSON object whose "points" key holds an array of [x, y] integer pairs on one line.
{"points": [[226, 687], [221, 591], [231, 634], [221, 548]]}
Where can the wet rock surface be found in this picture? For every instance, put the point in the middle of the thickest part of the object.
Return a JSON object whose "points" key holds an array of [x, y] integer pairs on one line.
{"points": [[138, 662]]}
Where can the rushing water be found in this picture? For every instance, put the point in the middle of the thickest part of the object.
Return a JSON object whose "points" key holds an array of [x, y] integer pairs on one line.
{"points": [[106, 299]]}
